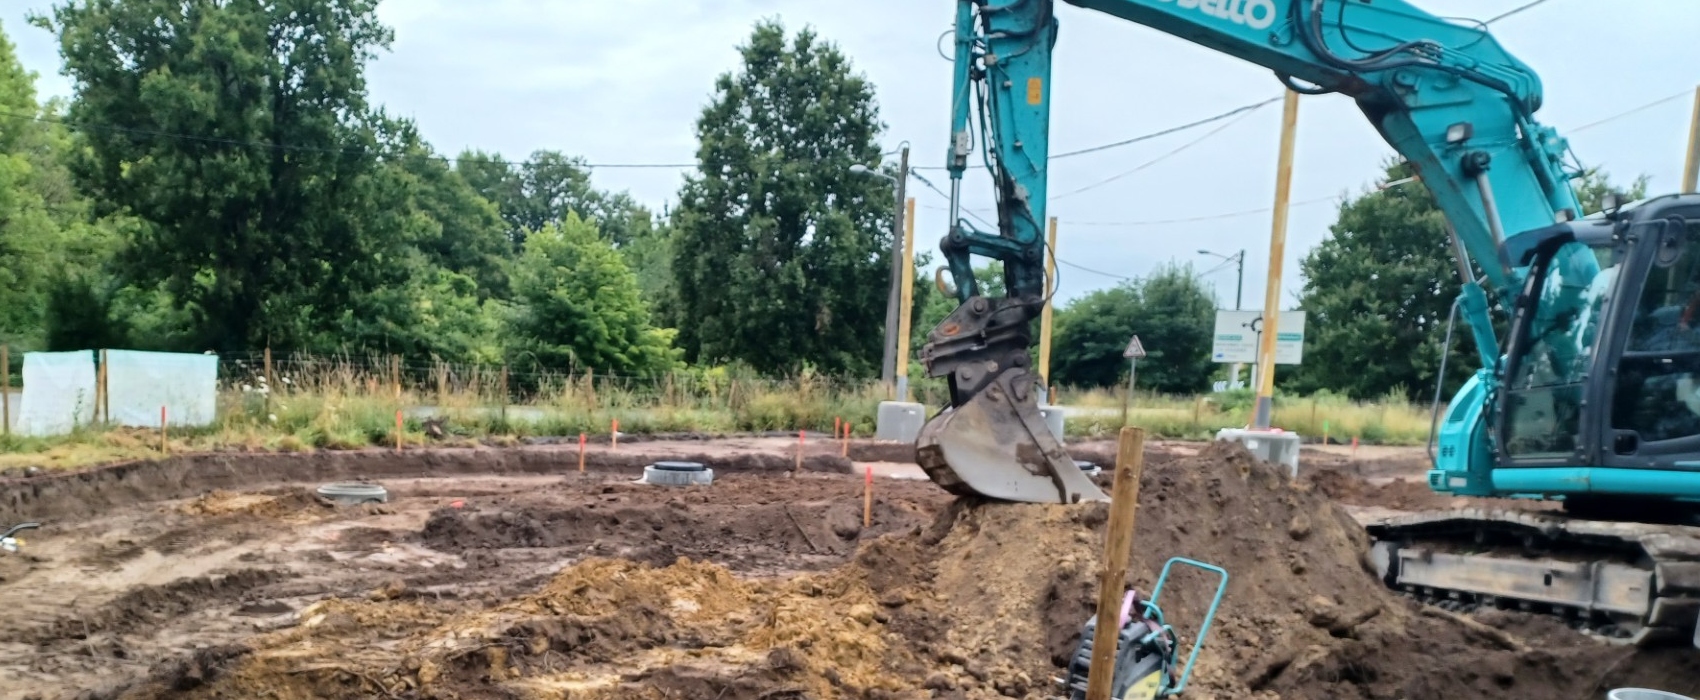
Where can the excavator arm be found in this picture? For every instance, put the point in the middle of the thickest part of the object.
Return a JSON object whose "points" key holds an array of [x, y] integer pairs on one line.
{"points": [[1444, 94]]}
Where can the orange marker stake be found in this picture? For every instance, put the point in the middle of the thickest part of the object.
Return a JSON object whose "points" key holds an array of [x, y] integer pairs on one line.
{"points": [[398, 431], [846, 441], [1354, 447], [581, 439], [837, 426], [614, 435], [868, 496]]}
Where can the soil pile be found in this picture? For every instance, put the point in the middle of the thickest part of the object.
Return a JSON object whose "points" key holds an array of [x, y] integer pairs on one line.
{"points": [[986, 601]]}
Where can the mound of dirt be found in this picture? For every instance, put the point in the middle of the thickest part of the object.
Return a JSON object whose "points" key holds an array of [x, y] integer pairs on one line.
{"points": [[985, 601]]}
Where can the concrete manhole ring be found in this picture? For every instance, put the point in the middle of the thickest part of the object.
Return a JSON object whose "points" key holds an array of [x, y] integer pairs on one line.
{"points": [[354, 493], [679, 466], [678, 474]]}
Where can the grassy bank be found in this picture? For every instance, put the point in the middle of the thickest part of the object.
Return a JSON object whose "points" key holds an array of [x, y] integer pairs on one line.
{"points": [[345, 407]]}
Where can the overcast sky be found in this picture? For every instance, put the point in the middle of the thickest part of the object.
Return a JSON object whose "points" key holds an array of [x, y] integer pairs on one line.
{"points": [[623, 82]]}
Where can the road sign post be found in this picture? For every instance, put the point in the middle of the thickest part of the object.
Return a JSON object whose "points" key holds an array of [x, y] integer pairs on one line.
{"points": [[1133, 352]]}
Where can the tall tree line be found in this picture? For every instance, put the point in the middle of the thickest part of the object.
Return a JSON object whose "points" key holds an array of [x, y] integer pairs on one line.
{"points": [[220, 180]]}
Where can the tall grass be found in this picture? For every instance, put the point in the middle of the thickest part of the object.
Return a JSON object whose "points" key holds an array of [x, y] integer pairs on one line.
{"points": [[351, 402]]}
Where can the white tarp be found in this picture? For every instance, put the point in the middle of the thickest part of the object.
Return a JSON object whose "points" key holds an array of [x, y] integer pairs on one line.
{"points": [[140, 383], [59, 392]]}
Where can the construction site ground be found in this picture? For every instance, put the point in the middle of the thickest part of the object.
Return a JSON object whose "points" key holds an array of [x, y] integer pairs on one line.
{"points": [[507, 573]]}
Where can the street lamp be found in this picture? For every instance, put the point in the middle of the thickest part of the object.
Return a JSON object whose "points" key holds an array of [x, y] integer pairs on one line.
{"points": [[1239, 288], [888, 366], [1237, 258]]}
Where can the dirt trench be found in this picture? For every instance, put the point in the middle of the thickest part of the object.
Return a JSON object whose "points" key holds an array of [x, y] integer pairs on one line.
{"points": [[543, 584]]}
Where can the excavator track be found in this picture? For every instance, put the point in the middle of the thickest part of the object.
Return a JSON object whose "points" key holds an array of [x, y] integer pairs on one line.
{"points": [[1638, 583]]}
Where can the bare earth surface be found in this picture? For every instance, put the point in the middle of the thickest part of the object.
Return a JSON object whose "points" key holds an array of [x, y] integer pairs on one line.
{"points": [[507, 573]]}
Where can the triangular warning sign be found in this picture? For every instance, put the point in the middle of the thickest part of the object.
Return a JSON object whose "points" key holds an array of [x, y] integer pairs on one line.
{"points": [[1134, 349]]}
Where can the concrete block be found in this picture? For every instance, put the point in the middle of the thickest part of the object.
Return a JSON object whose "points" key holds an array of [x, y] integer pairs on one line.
{"points": [[1275, 447], [899, 421], [1053, 419]]}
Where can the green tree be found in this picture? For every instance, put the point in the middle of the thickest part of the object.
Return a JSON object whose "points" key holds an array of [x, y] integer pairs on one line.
{"points": [[51, 249], [1172, 311], [271, 214], [1379, 289], [578, 307], [781, 254]]}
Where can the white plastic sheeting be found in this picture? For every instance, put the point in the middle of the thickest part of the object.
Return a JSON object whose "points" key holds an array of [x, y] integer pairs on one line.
{"points": [[59, 392], [141, 382]]}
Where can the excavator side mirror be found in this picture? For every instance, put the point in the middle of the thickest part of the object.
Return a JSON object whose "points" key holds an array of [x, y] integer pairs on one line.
{"points": [[1610, 203]]}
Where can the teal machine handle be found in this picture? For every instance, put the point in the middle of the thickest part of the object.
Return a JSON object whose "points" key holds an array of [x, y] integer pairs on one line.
{"points": [[1209, 617]]}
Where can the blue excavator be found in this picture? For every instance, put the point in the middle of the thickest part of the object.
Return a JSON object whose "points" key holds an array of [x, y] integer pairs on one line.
{"points": [[1591, 398]]}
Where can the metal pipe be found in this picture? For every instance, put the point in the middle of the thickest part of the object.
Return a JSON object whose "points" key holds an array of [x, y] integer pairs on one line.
{"points": [[1440, 379]]}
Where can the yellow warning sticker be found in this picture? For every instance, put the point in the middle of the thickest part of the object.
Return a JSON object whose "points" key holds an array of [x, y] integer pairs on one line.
{"points": [[1143, 689], [1035, 91]]}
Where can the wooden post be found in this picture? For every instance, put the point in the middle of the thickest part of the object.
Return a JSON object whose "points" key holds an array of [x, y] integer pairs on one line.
{"points": [[868, 496], [614, 435], [1277, 251], [799, 468], [442, 383], [6, 389], [581, 440], [1691, 165], [395, 375], [398, 430], [906, 300], [846, 442], [163, 447], [271, 381], [504, 390], [1118, 548], [102, 406]]}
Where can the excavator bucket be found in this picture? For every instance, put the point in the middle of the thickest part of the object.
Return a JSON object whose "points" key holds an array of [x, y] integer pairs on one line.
{"points": [[996, 446], [992, 442]]}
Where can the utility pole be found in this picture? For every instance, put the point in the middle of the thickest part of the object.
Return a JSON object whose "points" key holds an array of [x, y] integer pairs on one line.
{"points": [[1277, 245], [1239, 295], [888, 369], [1691, 166]]}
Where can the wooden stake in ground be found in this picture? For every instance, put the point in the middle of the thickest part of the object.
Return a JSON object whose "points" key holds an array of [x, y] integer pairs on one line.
{"points": [[102, 400], [868, 497], [395, 375], [846, 448], [504, 391], [799, 468], [1118, 547], [581, 440], [163, 449], [270, 380], [614, 435], [398, 430]]}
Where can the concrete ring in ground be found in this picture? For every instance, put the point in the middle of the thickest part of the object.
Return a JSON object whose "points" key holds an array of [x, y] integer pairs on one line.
{"points": [[1643, 694], [678, 474], [679, 466], [354, 493]]}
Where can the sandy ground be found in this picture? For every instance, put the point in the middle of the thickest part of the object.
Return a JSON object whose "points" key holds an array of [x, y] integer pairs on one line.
{"points": [[507, 573]]}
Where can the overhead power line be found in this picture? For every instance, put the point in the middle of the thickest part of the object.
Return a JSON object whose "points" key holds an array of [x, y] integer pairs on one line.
{"points": [[1513, 11]]}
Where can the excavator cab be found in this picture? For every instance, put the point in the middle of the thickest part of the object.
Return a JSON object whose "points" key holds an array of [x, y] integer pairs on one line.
{"points": [[1601, 381]]}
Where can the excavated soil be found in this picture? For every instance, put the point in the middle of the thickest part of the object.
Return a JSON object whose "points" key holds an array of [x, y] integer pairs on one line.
{"points": [[527, 584]]}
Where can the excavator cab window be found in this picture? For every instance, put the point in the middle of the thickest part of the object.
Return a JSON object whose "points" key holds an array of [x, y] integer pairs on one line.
{"points": [[1549, 379], [1657, 392]]}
